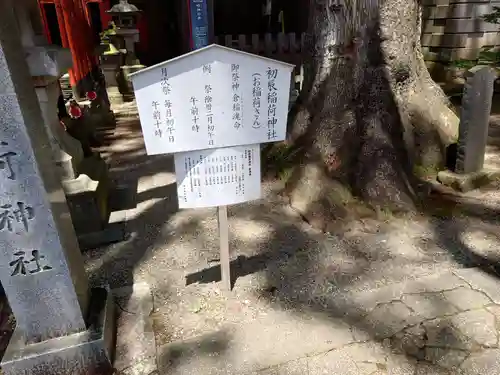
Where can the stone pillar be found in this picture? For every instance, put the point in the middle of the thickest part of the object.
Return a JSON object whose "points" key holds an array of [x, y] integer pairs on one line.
{"points": [[47, 64], [85, 180], [68, 152], [61, 327]]}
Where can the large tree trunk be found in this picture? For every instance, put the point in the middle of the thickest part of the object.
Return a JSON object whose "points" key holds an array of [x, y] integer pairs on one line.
{"points": [[369, 114]]}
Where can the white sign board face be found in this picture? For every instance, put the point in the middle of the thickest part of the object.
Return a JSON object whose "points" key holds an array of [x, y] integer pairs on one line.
{"points": [[211, 98], [219, 177]]}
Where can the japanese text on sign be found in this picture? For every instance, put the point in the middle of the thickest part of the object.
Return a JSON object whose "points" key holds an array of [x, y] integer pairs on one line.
{"points": [[216, 97], [16, 218], [210, 178]]}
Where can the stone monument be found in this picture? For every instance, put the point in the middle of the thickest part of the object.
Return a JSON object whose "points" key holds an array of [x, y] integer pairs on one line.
{"points": [[474, 120], [473, 132], [125, 37], [62, 328]]}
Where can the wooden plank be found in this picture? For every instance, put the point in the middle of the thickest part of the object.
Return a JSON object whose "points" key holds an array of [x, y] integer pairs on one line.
{"points": [[224, 248], [457, 11], [256, 44], [472, 40], [449, 26], [242, 42]]}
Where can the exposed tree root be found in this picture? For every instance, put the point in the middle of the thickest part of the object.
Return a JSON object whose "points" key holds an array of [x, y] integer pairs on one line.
{"points": [[369, 115]]}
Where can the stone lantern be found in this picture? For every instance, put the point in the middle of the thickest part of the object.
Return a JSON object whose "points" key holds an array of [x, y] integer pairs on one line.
{"points": [[125, 19], [124, 37]]}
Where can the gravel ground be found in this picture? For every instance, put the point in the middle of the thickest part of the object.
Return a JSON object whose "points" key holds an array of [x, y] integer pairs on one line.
{"points": [[284, 270]]}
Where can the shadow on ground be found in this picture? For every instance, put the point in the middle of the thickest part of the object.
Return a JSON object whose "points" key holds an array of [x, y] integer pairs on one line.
{"points": [[300, 270]]}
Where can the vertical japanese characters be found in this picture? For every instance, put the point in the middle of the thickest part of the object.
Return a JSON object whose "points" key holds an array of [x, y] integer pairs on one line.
{"points": [[207, 72], [256, 99], [235, 86], [195, 114], [272, 100], [16, 219], [157, 118], [169, 120]]}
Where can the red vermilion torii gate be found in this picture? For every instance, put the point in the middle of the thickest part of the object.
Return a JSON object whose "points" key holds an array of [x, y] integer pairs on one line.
{"points": [[72, 24]]}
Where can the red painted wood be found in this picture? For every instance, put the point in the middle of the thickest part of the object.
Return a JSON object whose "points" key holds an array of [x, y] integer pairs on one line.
{"points": [[75, 35]]}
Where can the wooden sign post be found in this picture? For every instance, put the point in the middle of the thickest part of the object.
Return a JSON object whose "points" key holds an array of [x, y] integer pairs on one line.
{"points": [[212, 108]]}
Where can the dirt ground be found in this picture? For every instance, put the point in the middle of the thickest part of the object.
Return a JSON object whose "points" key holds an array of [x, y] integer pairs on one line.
{"points": [[295, 289]]}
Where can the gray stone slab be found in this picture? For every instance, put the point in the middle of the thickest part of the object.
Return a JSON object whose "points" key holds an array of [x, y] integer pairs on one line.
{"points": [[360, 359], [442, 333], [297, 367], [335, 362], [467, 181], [429, 305], [83, 353], [447, 358], [479, 325], [482, 282], [466, 299], [112, 233], [434, 283], [135, 341], [474, 120], [41, 268], [385, 320], [482, 363], [88, 195], [428, 369]]}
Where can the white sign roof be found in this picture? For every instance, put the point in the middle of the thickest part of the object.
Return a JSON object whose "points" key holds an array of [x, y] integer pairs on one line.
{"points": [[212, 97]]}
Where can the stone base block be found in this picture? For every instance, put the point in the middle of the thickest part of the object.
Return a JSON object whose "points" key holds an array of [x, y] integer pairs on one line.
{"points": [[83, 353], [87, 196], [467, 181], [113, 233], [114, 95]]}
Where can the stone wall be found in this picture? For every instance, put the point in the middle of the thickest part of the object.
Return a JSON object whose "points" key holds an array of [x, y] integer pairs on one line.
{"points": [[454, 30]]}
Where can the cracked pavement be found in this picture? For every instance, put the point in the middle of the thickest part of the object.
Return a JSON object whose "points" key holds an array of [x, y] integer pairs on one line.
{"points": [[446, 324]]}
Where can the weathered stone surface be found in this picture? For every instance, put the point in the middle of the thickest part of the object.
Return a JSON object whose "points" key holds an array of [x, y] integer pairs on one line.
{"points": [[334, 362], [479, 325], [67, 151], [387, 319], [82, 353], [481, 281], [427, 369], [429, 305], [482, 363], [434, 283], [474, 120], [135, 341], [297, 367], [411, 342], [447, 358], [466, 299], [59, 329], [42, 270], [400, 365], [368, 300], [495, 310], [467, 181], [442, 333]]}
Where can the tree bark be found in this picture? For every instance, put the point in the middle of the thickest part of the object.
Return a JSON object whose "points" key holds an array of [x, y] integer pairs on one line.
{"points": [[369, 113]]}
